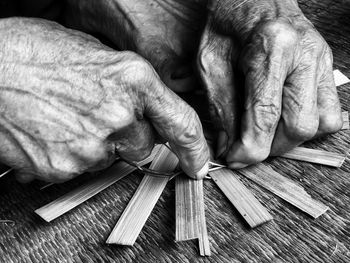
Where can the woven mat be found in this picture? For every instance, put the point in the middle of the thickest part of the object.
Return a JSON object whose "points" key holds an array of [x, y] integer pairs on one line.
{"points": [[79, 236]]}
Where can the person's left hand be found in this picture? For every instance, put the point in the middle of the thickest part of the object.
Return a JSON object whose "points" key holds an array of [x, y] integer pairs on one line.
{"points": [[288, 95]]}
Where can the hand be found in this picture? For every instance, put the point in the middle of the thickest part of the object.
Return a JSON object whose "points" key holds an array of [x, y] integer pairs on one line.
{"points": [[165, 33], [68, 103], [268, 74]]}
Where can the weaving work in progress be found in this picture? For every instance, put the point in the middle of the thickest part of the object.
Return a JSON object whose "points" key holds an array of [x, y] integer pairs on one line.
{"points": [[174, 131], [189, 205]]}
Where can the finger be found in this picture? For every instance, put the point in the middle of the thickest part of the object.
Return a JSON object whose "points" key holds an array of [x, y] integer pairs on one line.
{"points": [[265, 64], [217, 74], [178, 123], [135, 142], [300, 119], [330, 119]]}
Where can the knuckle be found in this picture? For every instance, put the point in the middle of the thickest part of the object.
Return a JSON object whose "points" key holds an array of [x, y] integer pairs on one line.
{"points": [[255, 152], [93, 154], [135, 151], [266, 117], [302, 130], [191, 130], [205, 58], [281, 33], [315, 43], [137, 70], [258, 156], [60, 170], [184, 129], [320, 46], [330, 123]]}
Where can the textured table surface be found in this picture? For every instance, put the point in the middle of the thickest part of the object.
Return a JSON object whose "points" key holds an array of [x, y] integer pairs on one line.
{"points": [[79, 236]]}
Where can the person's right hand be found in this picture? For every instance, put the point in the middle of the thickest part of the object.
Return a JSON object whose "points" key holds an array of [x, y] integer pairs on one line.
{"points": [[69, 104]]}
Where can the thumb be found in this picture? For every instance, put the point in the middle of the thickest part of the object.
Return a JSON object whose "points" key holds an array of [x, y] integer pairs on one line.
{"points": [[179, 124]]}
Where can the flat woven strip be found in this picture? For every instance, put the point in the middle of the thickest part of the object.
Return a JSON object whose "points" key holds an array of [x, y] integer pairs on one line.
{"points": [[251, 210], [141, 205]]}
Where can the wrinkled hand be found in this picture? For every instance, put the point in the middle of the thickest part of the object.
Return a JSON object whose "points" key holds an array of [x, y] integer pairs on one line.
{"points": [[69, 103], [164, 32], [288, 95]]}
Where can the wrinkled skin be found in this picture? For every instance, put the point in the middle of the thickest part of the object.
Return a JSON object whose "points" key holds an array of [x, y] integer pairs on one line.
{"points": [[267, 71], [268, 74], [69, 105], [165, 32]]}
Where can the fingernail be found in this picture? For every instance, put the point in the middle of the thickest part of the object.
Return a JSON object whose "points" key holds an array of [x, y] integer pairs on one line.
{"points": [[237, 165], [202, 172], [222, 144]]}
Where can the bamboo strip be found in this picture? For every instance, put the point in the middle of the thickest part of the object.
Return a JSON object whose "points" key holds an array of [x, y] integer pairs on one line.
{"points": [[142, 203], [204, 246], [315, 156], [345, 116], [46, 186], [186, 210], [79, 195], [285, 188], [6, 172], [244, 201], [190, 214]]}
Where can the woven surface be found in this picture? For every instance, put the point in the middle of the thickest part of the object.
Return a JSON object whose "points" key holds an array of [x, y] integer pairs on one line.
{"points": [[79, 236]]}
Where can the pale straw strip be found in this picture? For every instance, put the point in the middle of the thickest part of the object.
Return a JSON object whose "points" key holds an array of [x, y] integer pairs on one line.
{"points": [[79, 195], [142, 203], [345, 115], [315, 156], [253, 212], [283, 187], [190, 214]]}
